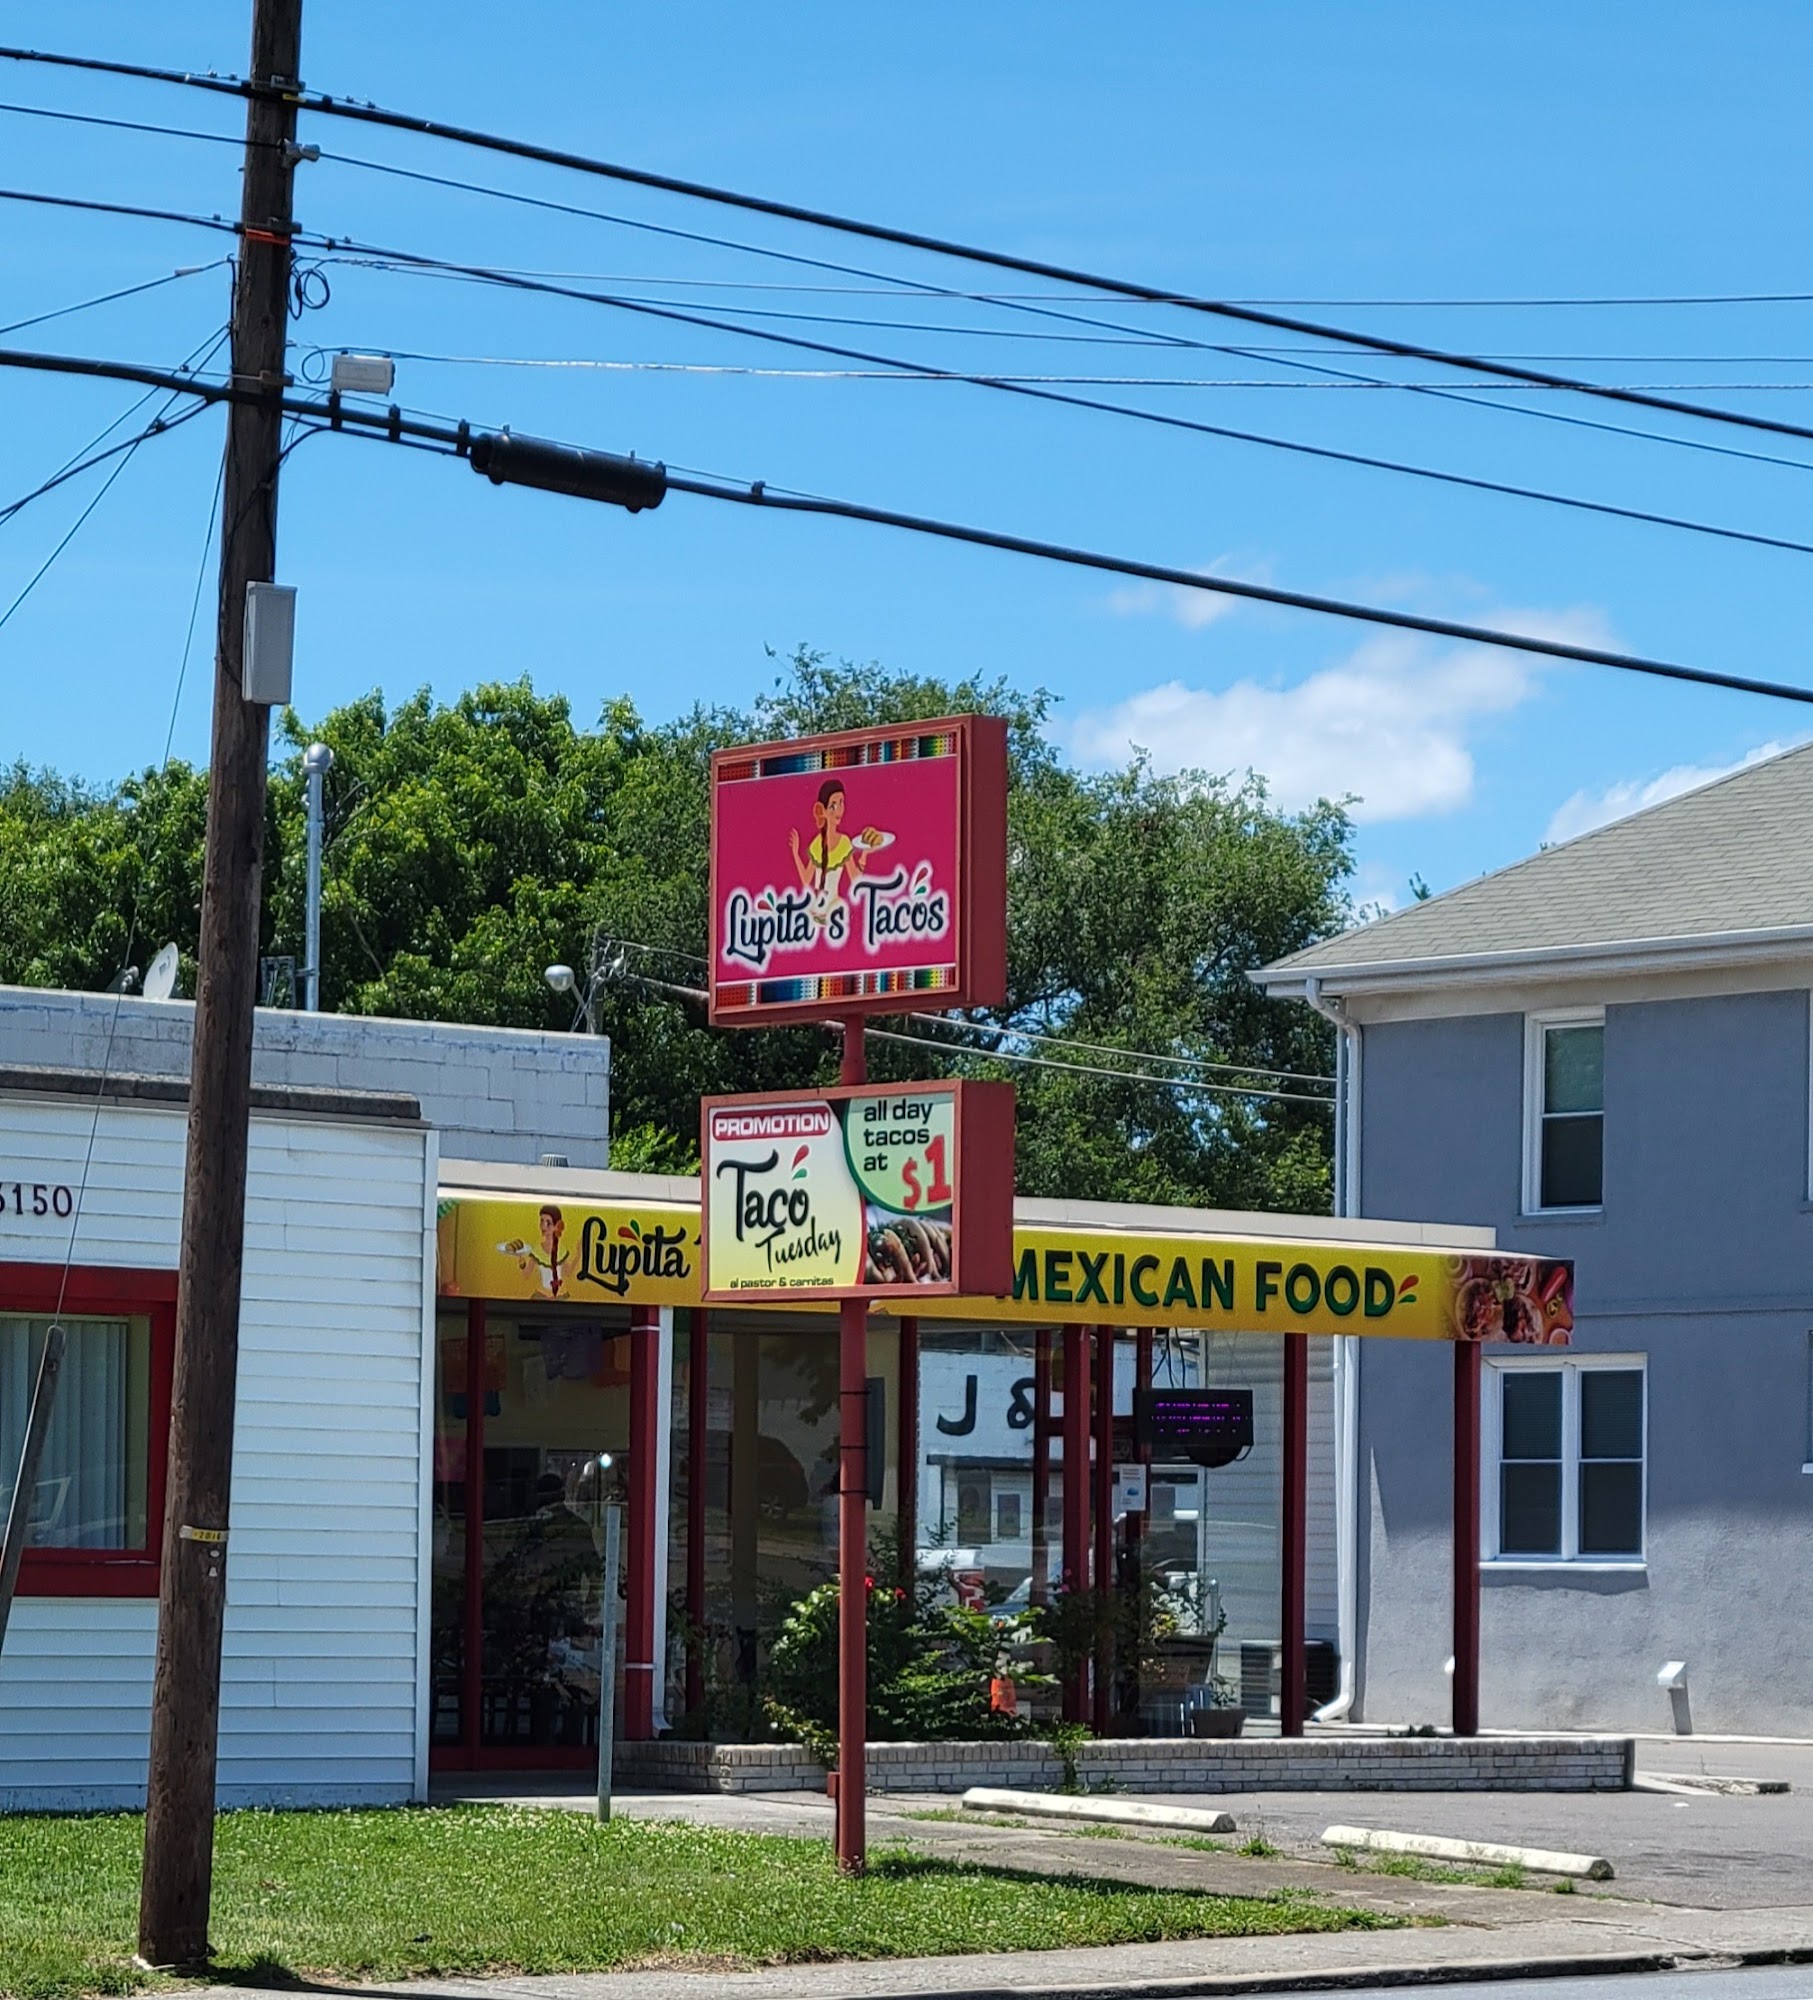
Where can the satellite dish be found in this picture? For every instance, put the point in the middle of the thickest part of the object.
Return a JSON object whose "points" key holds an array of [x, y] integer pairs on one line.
{"points": [[160, 980]]}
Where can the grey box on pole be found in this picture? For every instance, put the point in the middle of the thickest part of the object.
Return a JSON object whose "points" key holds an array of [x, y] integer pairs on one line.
{"points": [[270, 643]]}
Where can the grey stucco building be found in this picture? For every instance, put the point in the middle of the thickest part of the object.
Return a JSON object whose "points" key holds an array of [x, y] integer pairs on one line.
{"points": [[1603, 1053]]}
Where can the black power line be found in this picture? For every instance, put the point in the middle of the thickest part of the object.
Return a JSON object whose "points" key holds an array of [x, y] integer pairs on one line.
{"points": [[1013, 386], [908, 239], [603, 474], [402, 260]]}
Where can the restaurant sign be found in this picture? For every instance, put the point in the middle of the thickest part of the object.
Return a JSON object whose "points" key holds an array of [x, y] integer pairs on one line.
{"points": [[1256, 1285], [864, 1191], [859, 872], [581, 1253]]}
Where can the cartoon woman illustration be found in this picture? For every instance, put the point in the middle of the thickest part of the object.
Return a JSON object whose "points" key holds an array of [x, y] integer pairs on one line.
{"points": [[831, 851], [550, 1267]]}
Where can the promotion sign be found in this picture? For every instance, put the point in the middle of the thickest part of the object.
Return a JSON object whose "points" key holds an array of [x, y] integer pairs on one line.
{"points": [[860, 873], [866, 1191]]}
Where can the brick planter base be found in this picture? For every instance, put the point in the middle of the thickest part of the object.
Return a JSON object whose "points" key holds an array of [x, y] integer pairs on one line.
{"points": [[1164, 1764]]}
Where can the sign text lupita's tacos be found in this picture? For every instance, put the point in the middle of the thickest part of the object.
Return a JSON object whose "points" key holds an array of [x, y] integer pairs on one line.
{"points": [[850, 871]]}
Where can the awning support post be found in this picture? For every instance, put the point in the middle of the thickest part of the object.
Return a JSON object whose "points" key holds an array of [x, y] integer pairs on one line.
{"points": [[906, 1453], [1466, 1537], [1039, 1591], [639, 1666], [1076, 1501], [1103, 1484], [1295, 1526], [698, 1371]]}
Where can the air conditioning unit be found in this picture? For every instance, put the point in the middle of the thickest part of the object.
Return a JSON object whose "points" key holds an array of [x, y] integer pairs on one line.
{"points": [[1261, 1675]]}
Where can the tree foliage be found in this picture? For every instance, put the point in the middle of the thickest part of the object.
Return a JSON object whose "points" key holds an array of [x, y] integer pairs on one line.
{"points": [[471, 844]]}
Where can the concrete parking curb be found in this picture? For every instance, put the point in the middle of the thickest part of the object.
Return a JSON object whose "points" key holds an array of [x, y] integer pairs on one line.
{"points": [[1092, 1810]]}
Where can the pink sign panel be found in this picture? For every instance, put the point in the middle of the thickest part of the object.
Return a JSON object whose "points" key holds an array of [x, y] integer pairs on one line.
{"points": [[844, 870]]}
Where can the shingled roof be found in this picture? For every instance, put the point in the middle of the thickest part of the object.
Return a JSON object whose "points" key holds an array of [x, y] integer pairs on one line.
{"points": [[1726, 867]]}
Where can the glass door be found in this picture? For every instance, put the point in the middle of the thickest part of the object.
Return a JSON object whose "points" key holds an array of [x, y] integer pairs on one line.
{"points": [[531, 1398]]}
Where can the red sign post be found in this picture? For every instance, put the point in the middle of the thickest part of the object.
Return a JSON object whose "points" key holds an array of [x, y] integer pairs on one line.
{"points": [[856, 874]]}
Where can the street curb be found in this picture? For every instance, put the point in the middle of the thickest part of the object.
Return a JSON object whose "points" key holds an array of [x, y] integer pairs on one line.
{"points": [[1351, 1979]]}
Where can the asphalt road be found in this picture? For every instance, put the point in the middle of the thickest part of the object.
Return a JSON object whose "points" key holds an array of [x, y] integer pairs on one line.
{"points": [[1774, 1982]]}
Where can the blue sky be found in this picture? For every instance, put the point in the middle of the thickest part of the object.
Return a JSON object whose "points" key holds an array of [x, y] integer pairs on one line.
{"points": [[1332, 153]]}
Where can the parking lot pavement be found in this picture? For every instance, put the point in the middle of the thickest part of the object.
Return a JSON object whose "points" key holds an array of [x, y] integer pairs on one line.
{"points": [[1710, 1852]]}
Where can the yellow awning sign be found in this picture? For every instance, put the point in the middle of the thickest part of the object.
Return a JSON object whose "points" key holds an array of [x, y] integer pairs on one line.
{"points": [[597, 1253], [647, 1253], [1259, 1284]]}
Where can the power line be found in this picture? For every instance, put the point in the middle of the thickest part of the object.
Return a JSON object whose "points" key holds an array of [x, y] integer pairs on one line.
{"points": [[502, 275], [87, 455], [928, 374], [909, 239], [156, 428], [1366, 461], [457, 440], [107, 298], [606, 944]]}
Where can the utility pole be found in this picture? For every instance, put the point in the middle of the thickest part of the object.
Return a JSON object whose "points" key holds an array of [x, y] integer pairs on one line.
{"points": [[185, 1703]]}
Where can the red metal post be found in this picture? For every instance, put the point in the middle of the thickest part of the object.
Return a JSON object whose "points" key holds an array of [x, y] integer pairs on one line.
{"points": [[472, 1650], [1466, 1538], [1103, 1485], [852, 1545], [639, 1663], [1142, 1379], [906, 1454], [698, 1371], [1039, 1591], [1075, 1461], [1295, 1526]]}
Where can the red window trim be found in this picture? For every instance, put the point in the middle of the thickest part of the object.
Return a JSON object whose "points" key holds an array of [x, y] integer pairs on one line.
{"points": [[95, 1289]]}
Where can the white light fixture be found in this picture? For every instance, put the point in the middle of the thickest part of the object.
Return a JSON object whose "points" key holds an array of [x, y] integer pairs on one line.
{"points": [[362, 375], [560, 977]]}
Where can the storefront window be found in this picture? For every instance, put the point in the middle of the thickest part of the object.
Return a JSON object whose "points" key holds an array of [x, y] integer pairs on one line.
{"points": [[96, 1507]]}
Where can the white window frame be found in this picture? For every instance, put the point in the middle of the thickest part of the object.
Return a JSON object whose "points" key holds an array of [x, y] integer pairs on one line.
{"points": [[1570, 1367], [1535, 1030]]}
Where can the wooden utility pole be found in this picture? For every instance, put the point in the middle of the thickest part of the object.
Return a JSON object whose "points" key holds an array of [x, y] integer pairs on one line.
{"points": [[185, 1703]]}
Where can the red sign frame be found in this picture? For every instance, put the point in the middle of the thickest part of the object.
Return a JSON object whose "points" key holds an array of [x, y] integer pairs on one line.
{"points": [[982, 1181], [773, 958]]}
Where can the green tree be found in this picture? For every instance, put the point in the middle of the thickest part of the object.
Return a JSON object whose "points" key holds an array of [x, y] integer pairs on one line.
{"points": [[470, 845]]}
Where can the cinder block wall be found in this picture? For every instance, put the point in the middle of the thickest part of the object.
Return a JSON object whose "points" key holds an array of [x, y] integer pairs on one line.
{"points": [[506, 1094], [1263, 1764]]}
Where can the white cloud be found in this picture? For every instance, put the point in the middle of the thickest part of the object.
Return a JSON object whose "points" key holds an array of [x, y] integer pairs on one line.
{"points": [[1192, 609], [1586, 810], [1392, 724]]}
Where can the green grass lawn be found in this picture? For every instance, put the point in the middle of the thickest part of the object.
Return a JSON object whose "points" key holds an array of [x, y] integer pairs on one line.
{"points": [[475, 1888]]}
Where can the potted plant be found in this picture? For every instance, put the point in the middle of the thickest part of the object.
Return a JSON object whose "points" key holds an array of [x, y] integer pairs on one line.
{"points": [[1221, 1714]]}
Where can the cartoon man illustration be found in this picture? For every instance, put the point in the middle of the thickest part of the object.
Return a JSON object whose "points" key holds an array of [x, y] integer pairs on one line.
{"points": [[830, 852]]}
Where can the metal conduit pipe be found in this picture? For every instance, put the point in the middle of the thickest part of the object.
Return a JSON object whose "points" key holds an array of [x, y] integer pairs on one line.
{"points": [[1346, 1373]]}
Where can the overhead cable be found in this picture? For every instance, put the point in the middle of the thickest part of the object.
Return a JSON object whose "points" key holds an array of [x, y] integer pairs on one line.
{"points": [[459, 440], [909, 239], [1366, 461]]}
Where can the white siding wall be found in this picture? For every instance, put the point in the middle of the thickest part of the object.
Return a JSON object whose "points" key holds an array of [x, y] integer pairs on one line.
{"points": [[322, 1679]]}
